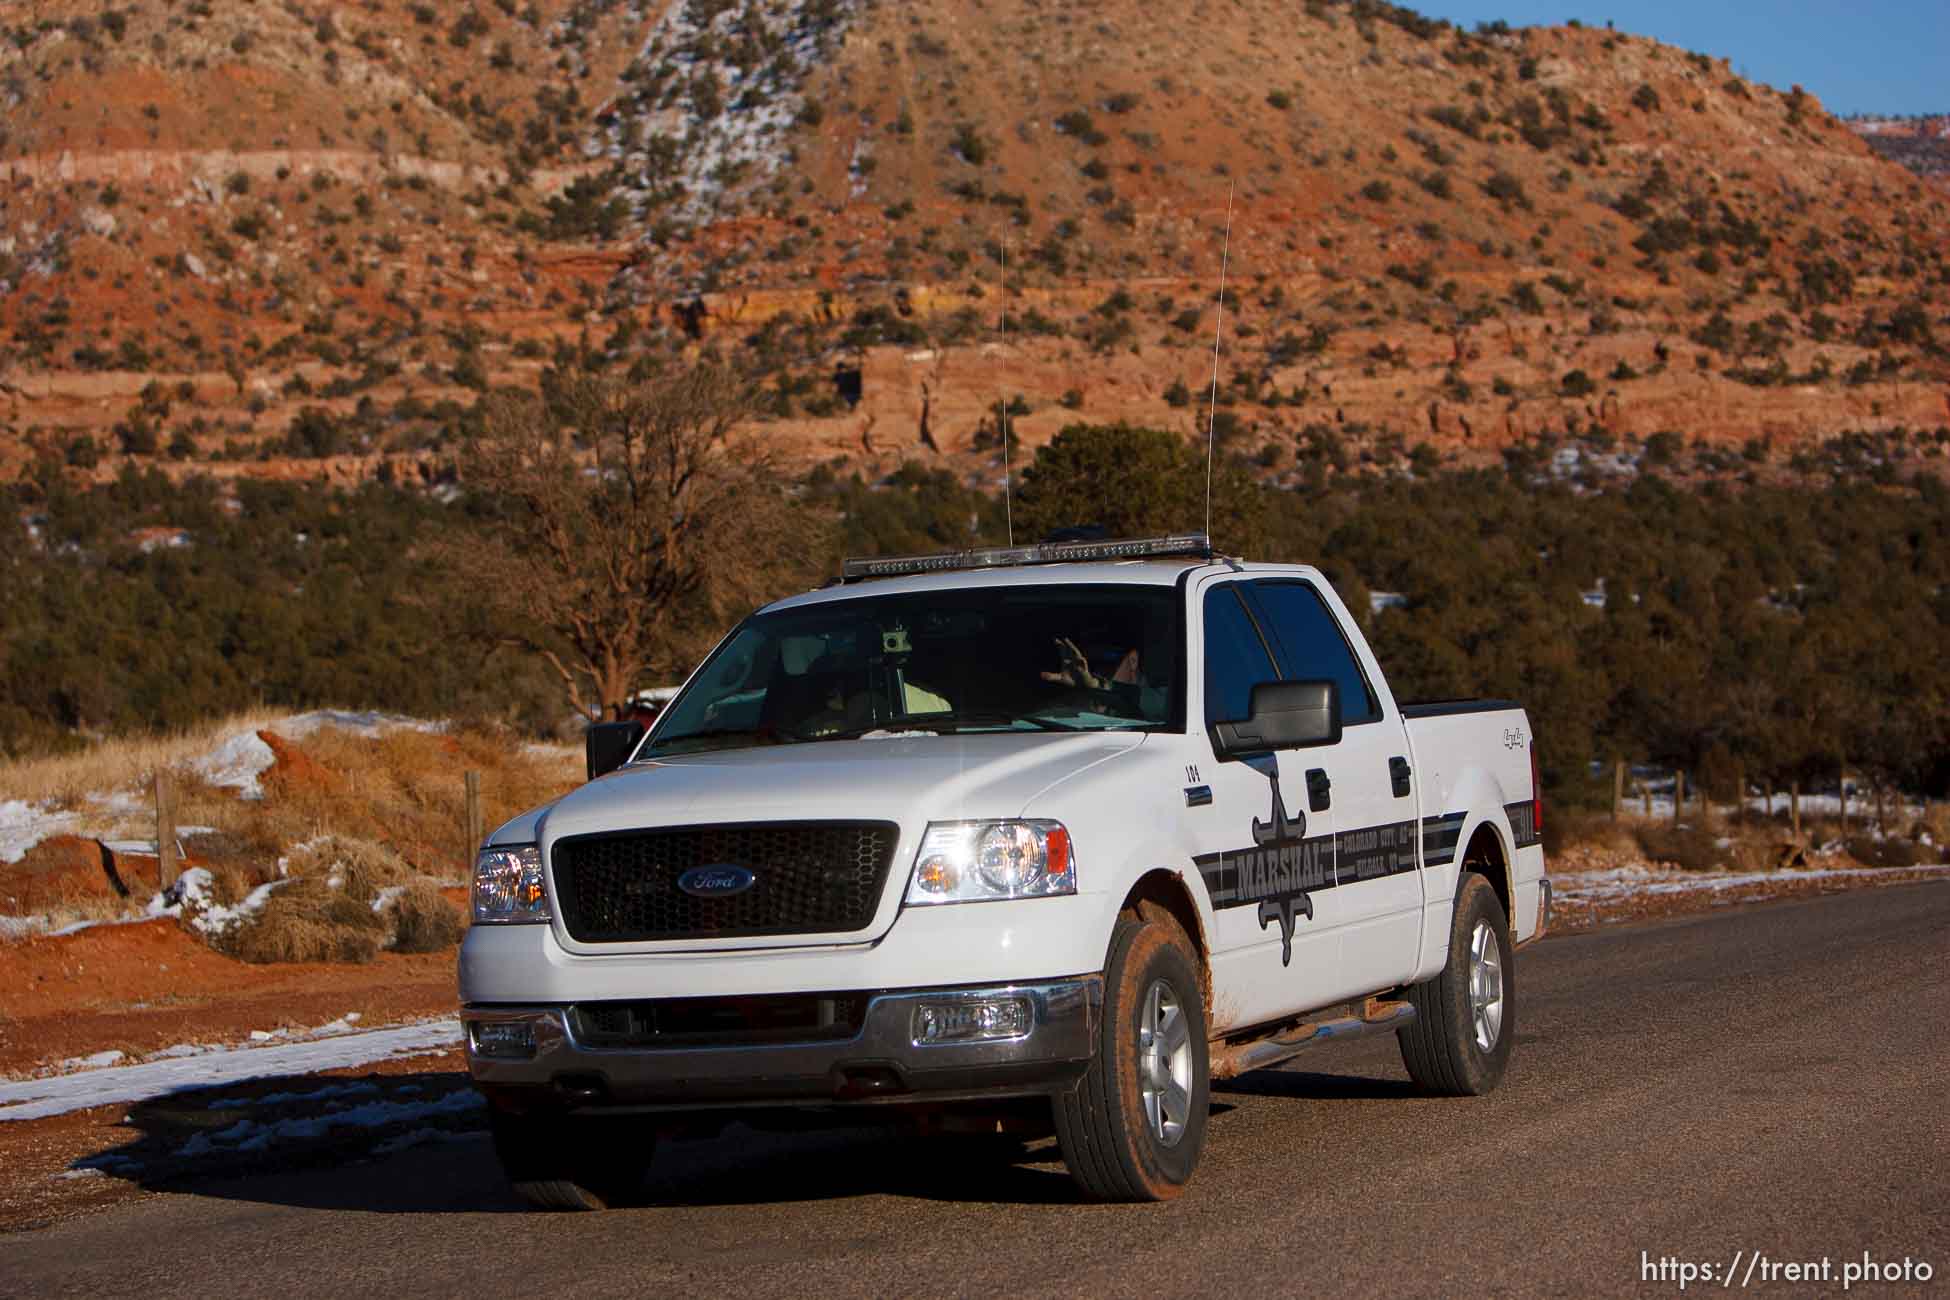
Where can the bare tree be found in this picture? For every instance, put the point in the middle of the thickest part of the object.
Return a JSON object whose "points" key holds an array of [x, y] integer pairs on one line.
{"points": [[624, 522]]}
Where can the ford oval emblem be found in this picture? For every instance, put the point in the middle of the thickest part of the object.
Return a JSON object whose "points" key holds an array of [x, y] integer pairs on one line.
{"points": [[719, 880]]}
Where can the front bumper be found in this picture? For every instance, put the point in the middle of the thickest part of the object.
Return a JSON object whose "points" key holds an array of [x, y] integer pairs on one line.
{"points": [[881, 1063]]}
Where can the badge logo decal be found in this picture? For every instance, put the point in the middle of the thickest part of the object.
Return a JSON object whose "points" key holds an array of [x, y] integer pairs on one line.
{"points": [[719, 880], [1283, 832]]}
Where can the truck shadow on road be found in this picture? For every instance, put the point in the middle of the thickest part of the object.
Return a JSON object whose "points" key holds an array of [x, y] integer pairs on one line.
{"points": [[417, 1144]]}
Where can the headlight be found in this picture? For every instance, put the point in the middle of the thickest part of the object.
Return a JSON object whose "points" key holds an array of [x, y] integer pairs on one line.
{"points": [[968, 862], [508, 885]]}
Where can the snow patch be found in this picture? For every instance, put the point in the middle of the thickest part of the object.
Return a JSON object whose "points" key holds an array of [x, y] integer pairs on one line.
{"points": [[15, 928], [190, 896], [665, 148], [23, 825], [1589, 888], [240, 761], [256, 1135], [186, 1066], [327, 1093], [94, 1062], [236, 764], [122, 803]]}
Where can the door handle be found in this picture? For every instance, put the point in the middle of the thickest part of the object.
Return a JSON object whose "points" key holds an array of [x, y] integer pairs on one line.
{"points": [[1398, 774], [1320, 790]]}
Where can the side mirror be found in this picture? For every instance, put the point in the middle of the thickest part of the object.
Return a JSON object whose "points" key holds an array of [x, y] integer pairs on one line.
{"points": [[607, 745], [1284, 715]]}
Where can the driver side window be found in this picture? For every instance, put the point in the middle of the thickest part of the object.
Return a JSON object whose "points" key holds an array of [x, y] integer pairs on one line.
{"points": [[1235, 658]]}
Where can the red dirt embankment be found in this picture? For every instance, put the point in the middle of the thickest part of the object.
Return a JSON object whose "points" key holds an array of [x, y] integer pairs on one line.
{"points": [[59, 871], [144, 986]]}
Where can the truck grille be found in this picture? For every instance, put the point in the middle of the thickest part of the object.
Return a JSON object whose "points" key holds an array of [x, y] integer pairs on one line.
{"points": [[808, 878], [720, 1022]]}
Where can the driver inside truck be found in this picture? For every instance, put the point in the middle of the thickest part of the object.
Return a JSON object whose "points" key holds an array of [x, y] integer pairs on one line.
{"points": [[1074, 668], [1119, 680]]}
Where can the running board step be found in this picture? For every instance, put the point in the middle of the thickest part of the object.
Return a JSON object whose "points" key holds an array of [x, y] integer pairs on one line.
{"points": [[1378, 1017]]}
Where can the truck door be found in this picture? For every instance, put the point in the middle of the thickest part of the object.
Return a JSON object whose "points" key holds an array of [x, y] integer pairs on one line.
{"points": [[1375, 907], [1262, 853]]}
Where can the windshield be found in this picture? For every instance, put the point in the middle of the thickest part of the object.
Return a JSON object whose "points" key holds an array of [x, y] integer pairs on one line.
{"points": [[984, 659]]}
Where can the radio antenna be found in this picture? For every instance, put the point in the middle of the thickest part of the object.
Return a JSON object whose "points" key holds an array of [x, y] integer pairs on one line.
{"points": [[1002, 405], [1218, 333]]}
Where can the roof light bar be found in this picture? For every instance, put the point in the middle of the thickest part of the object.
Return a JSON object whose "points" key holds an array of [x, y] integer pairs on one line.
{"points": [[997, 557]]}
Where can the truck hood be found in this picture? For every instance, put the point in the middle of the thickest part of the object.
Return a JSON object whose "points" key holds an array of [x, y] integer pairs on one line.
{"points": [[929, 778], [909, 780]]}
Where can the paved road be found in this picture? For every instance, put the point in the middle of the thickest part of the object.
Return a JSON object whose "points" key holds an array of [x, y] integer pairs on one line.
{"points": [[1772, 1079]]}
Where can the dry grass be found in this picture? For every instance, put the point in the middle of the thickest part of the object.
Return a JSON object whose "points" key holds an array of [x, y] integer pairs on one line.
{"points": [[63, 913], [1890, 851], [1935, 820], [406, 788], [347, 898], [308, 920], [66, 780], [358, 868], [360, 818], [1564, 827], [1683, 846], [1752, 843], [423, 919]]}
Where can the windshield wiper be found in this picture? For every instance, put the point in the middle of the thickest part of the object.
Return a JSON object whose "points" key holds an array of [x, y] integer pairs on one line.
{"points": [[714, 733], [1010, 719], [950, 722]]}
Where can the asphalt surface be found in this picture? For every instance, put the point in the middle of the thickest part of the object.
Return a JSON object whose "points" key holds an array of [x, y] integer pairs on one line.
{"points": [[1769, 1079]]}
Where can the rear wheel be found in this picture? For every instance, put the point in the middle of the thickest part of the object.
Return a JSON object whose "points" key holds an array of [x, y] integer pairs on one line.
{"points": [[1132, 1128], [1466, 1017], [572, 1162]]}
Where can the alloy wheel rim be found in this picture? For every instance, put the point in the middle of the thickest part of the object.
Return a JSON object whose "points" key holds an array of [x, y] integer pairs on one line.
{"points": [[1165, 1064], [1485, 986]]}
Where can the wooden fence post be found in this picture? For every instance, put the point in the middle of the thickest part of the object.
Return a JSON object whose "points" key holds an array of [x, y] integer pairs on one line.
{"points": [[1841, 791], [1645, 789], [1678, 794], [1794, 806], [474, 829], [1617, 789], [166, 864]]}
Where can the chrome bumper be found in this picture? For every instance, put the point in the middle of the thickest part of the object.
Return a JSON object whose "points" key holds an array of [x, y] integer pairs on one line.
{"points": [[881, 1063]]}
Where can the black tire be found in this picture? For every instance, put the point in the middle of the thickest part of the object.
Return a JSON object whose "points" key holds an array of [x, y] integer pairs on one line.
{"points": [[1442, 1049], [572, 1162], [1108, 1139]]}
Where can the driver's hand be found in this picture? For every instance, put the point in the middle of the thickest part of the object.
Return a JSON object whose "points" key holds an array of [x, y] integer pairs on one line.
{"points": [[1075, 667]]}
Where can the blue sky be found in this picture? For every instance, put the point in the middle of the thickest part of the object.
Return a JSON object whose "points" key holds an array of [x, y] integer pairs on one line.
{"points": [[1870, 56]]}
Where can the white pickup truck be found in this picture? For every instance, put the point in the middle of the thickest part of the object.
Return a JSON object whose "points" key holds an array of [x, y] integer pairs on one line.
{"points": [[1023, 840]]}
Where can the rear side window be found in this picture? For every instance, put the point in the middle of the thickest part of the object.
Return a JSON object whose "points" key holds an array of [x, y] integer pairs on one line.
{"points": [[1311, 646], [1235, 658]]}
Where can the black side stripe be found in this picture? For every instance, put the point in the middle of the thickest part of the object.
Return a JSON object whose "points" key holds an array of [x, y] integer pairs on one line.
{"points": [[1523, 823], [1439, 836], [1241, 877]]}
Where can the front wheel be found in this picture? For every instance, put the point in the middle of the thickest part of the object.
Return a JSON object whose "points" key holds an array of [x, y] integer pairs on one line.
{"points": [[1466, 1017], [1132, 1128], [572, 1162]]}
